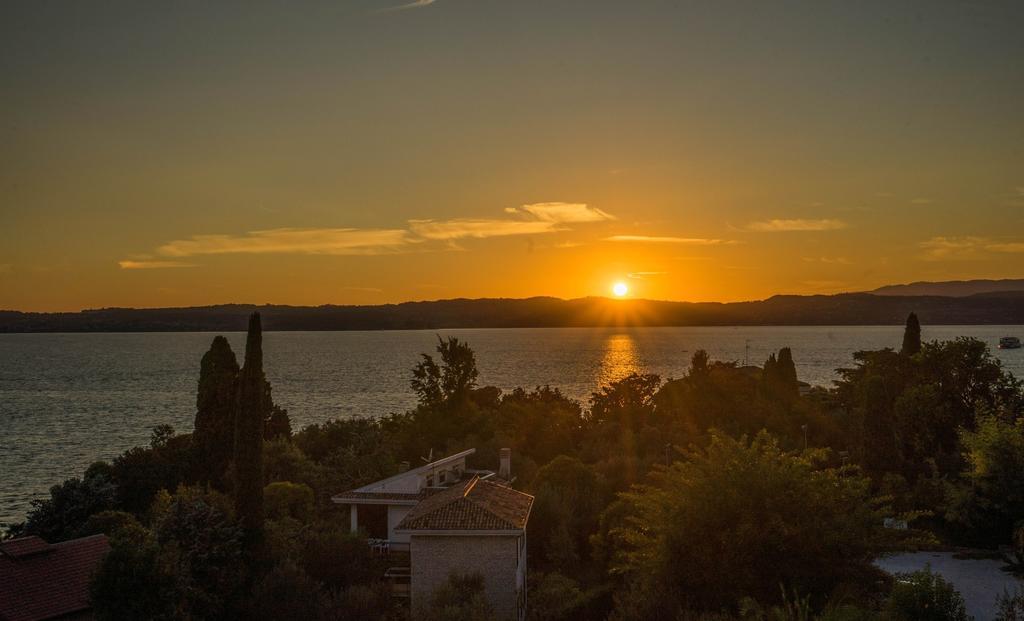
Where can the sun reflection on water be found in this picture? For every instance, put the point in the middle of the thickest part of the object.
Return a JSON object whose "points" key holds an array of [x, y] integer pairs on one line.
{"points": [[619, 360]]}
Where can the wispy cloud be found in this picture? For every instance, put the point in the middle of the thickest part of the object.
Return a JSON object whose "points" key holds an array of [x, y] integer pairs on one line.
{"points": [[532, 219], [461, 228], [416, 4], [1014, 247], [655, 239], [828, 260], [921, 201], [562, 212], [152, 265], [644, 275], [798, 224], [966, 247], [944, 248], [365, 289], [292, 241]]}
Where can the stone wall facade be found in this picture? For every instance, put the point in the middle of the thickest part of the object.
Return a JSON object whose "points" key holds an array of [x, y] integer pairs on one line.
{"points": [[496, 558]]}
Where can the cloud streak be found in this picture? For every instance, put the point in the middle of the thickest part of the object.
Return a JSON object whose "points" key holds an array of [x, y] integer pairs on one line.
{"points": [[795, 225], [416, 4], [966, 248], [1014, 247], [531, 219], [333, 241], [567, 213], [534, 219], [152, 265], [656, 239], [462, 228]]}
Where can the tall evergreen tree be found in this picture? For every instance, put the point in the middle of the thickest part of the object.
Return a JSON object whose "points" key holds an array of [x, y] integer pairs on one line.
{"points": [[786, 371], [911, 336], [214, 436], [252, 409]]}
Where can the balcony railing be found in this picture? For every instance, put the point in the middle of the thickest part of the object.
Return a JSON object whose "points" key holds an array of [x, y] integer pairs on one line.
{"points": [[387, 548]]}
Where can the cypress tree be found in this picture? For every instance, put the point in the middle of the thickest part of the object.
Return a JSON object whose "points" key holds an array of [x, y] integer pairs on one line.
{"points": [[785, 369], [214, 436], [252, 409], [911, 336]]}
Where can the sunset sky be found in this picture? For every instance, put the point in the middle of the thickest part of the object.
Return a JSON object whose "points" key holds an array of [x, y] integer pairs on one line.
{"points": [[181, 153]]}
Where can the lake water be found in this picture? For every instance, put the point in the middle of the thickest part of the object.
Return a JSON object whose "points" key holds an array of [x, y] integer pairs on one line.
{"points": [[67, 400]]}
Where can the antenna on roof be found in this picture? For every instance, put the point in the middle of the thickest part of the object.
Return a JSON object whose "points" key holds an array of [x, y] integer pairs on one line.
{"points": [[429, 458]]}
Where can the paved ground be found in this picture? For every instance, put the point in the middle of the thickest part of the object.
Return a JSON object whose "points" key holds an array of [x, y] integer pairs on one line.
{"points": [[979, 581]]}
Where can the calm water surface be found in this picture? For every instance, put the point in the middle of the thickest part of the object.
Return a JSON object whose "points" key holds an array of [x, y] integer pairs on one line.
{"points": [[67, 400]]}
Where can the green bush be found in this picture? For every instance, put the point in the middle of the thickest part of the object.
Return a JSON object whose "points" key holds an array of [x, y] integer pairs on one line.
{"points": [[459, 598], [925, 596], [284, 499]]}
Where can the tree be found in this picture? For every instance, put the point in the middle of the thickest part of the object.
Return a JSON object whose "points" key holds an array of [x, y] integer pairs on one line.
{"points": [[109, 523], [278, 424], [214, 434], [555, 597], [133, 582], [739, 518], [286, 592], [991, 499], [141, 472], [1010, 607], [252, 409], [203, 549], [911, 336], [779, 377], [569, 500], [284, 499], [460, 598], [925, 596], [447, 413], [699, 364], [337, 558], [452, 380], [787, 373], [65, 513]]}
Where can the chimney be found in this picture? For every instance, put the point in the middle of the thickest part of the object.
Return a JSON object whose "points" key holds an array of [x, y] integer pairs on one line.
{"points": [[505, 464]]}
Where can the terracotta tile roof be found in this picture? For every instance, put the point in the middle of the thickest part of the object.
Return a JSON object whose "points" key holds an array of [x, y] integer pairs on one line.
{"points": [[43, 581], [471, 505]]}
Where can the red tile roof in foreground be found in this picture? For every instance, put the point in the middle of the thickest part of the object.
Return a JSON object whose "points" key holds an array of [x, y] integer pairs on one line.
{"points": [[474, 504], [44, 581]]}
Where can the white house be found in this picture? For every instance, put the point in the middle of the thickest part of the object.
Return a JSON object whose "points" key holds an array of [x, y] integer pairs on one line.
{"points": [[450, 519]]}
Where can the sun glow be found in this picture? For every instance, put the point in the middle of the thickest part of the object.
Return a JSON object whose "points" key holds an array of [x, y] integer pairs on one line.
{"points": [[620, 289]]}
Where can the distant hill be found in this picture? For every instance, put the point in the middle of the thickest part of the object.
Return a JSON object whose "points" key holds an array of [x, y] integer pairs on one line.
{"points": [[953, 288], [842, 309]]}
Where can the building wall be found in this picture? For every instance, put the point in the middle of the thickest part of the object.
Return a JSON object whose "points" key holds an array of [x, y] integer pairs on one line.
{"points": [[435, 557], [396, 513]]}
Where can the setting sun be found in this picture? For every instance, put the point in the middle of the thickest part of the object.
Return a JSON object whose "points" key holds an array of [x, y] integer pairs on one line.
{"points": [[620, 289]]}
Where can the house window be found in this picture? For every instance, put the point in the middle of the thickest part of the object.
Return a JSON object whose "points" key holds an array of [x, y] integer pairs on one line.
{"points": [[430, 480], [442, 476]]}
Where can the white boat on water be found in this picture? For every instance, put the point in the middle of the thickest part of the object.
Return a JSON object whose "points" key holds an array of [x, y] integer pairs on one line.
{"points": [[1009, 342]]}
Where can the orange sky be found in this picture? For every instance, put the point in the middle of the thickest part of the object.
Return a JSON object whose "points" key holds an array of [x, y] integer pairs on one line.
{"points": [[164, 156]]}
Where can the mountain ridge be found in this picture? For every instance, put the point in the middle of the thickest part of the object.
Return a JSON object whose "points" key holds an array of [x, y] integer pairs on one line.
{"points": [[953, 288], [538, 312]]}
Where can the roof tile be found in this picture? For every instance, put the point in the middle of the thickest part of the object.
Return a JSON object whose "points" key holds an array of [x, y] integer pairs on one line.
{"points": [[472, 505], [50, 582]]}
